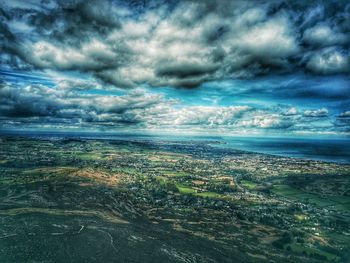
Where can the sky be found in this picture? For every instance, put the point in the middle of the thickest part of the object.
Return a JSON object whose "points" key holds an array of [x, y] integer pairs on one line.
{"points": [[264, 68]]}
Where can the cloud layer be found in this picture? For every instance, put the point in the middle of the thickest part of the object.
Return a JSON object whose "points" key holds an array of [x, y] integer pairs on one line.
{"points": [[182, 44], [36, 106]]}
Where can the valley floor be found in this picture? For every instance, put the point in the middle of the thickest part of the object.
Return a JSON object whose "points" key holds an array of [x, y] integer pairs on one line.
{"points": [[95, 200]]}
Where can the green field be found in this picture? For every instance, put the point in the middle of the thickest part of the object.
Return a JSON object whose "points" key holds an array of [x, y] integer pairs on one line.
{"points": [[185, 189], [336, 202], [249, 184]]}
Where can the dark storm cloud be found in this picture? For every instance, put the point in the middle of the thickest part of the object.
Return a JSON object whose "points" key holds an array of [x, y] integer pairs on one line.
{"points": [[70, 20], [7, 40], [5, 33], [171, 43], [184, 70], [28, 102]]}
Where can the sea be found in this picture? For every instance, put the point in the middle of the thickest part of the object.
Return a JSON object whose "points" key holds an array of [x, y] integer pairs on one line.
{"points": [[322, 149]]}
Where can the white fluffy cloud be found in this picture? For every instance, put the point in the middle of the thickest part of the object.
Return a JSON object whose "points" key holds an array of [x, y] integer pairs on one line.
{"points": [[211, 116], [316, 113], [345, 114], [329, 60], [92, 55], [291, 111], [273, 38], [323, 35], [267, 121]]}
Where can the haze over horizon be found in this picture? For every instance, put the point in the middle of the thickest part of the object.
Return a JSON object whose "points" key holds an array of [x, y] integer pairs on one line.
{"points": [[277, 68]]}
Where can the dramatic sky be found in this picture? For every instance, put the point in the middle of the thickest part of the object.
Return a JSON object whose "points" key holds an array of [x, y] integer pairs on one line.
{"points": [[210, 67]]}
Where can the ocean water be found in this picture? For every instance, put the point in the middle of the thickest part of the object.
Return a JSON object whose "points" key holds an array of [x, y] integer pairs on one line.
{"points": [[330, 150], [323, 149]]}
